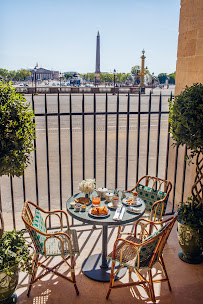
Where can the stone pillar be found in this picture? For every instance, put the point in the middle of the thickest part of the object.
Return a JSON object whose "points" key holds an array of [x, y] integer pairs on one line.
{"points": [[189, 70]]}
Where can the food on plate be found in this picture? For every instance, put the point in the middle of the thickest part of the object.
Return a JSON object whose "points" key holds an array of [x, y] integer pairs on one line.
{"points": [[135, 193], [99, 210], [129, 200], [82, 200]]}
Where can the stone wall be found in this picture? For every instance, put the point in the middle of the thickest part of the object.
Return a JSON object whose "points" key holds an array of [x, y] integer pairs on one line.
{"points": [[189, 70]]}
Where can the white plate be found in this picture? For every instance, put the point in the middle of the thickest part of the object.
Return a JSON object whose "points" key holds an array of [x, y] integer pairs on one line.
{"points": [[101, 215], [110, 205], [136, 204]]}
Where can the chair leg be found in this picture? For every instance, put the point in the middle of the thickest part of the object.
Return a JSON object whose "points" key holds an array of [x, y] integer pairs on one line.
{"points": [[73, 274], [151, 287], [111, 279], [165, 272], [34, 272]]}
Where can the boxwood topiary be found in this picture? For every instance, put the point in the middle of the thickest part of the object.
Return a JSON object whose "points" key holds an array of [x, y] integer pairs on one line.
{"points": [[16, 131], [186, 119]]}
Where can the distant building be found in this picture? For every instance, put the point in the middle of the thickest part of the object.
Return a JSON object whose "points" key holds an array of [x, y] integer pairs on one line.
{"points": [[44, 74]]}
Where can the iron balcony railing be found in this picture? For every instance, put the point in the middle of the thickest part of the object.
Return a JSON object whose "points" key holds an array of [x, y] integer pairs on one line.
{"points": [[138, 115]]}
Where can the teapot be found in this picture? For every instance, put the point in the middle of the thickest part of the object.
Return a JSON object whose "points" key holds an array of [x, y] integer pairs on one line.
{"points": [[102, 192]]}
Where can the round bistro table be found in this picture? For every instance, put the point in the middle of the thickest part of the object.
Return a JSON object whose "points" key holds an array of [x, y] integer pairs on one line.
{"points": [[97, 267]]}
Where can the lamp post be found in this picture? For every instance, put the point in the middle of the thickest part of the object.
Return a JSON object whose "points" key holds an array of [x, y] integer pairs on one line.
{"points": [[114, 81], [35, 69], [152, 81], [60, 76]]}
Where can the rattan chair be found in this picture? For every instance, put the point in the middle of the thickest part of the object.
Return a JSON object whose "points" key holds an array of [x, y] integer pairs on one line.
{"points": [[48, 245], [141, 250], [154, 192]]}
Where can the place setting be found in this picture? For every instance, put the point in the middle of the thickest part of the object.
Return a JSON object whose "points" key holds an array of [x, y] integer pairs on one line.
{"points": [[133, 203]]}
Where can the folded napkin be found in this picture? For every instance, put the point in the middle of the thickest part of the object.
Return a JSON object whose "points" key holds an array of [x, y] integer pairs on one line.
{"points": [[119, 213], [134, 209]]}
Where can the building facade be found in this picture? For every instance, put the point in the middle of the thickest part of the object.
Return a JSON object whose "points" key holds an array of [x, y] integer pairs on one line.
{"points": [[44, 74]]}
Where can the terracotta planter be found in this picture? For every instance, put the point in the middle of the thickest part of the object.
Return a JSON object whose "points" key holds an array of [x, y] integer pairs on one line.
{"points": [[8, 285], [191, 243]]}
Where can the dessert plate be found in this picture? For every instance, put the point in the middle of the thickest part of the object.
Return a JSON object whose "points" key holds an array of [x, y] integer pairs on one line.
{"points": [[135, 204]]}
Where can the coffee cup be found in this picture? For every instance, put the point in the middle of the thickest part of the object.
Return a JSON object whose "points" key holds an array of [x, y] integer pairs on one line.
{"points": [[115, 201]]}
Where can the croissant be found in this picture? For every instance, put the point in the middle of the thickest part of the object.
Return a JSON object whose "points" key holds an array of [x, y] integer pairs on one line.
{"points": [[99, 210]]}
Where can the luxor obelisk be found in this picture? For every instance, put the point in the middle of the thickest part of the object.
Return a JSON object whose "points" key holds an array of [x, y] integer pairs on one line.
{"points": [[97, 70]]}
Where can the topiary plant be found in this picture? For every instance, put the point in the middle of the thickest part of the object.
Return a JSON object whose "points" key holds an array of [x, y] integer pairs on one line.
{"points": [[186, 121], [16, 133]]}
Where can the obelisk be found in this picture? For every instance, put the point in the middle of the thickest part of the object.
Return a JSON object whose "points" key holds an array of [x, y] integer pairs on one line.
{"points": [[97, 70]]}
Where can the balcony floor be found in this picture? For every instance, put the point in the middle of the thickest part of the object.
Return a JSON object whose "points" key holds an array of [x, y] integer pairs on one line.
{"points": [[186, 279]]}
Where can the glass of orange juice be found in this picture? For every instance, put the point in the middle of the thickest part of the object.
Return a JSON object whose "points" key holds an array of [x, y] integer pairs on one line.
{"points": [[96, 200]]}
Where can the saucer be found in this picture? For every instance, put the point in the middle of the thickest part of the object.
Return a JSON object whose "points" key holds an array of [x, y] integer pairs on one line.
{"points": [[110, 205]]}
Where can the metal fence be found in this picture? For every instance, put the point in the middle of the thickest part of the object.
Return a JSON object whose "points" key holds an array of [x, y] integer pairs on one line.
{"points": [[69, 116]]}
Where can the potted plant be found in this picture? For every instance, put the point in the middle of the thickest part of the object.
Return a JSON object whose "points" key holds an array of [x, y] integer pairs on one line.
{"points": [[186, 120], [15, 255], [16, 134]]}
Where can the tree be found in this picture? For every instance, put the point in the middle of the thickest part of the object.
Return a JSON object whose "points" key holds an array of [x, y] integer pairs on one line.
{"points": [[135, 70], [16, 133], [162, 77], [172, 78], [22, 75], [68, 75]]}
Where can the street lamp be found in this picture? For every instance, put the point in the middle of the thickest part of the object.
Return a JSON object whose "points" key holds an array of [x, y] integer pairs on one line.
{"points": [[35, 69], [60, 76], [114, 81], [152, 81]]}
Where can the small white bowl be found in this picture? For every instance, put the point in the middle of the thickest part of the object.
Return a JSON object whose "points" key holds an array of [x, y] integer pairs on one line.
{"points": [[109, 196]]}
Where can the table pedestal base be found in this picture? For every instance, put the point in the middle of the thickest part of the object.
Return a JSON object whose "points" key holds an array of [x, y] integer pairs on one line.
{"points": [[91, 267]]}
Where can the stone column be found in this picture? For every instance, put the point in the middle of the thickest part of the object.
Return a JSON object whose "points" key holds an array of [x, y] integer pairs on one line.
{"points": [[189, 70]]}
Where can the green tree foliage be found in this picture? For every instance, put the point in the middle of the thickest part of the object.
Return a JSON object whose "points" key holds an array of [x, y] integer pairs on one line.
{"points": [[162, 77], [172, 78], [22, 75], [4, 73], [186, 118], [68, 75], [16, 132], [135, 69]]}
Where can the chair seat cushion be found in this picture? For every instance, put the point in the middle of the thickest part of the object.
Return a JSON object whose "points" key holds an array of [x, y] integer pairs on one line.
{"points": [[38, 223], [54, 247], [150, 196]]}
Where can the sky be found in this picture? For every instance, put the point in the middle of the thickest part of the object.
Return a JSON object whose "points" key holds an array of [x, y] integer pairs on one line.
{"points": [[61, 35]]}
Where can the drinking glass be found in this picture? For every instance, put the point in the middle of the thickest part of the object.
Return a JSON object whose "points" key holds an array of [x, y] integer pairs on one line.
{"points": [[96, 200]]}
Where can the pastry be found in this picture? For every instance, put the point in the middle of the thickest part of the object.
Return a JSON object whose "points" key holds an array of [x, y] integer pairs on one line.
{"points": [[99, 210], [82, 200]]}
